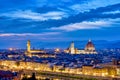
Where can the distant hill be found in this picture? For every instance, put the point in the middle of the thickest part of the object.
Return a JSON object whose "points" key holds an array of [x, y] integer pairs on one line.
{"points": [[99, 44]]}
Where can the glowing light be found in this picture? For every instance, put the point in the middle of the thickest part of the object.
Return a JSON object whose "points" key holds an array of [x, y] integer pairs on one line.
{"points": [[86, 73], [94, 74], [57, 50], [10, 49], [113, 75], [103, 74]]}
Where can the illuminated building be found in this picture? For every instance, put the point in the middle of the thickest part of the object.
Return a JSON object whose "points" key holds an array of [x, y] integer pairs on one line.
{"points": [[30, 52], [89, 46], [101, 70], [11, 49], [89, 49], [28, 46], [90, 70], [57, 50], [72, 48]]}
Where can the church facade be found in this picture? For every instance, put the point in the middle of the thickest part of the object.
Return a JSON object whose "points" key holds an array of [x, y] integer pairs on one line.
{"points": [[89, 49]]}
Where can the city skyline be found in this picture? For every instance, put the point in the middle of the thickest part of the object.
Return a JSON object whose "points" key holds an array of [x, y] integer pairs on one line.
{"points": [[52, 21], [59, 39]]}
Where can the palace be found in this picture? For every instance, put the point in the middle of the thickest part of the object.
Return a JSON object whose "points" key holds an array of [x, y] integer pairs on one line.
{"points": [[30, 52], [89, 49]]}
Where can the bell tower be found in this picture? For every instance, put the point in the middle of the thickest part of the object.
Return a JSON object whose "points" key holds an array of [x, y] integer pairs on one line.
{"points": [[28, 45], [72, 48]]}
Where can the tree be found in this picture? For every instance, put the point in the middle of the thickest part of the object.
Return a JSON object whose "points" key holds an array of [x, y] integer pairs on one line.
{"points": [[24, 77], [17, 63], [33, 77]]}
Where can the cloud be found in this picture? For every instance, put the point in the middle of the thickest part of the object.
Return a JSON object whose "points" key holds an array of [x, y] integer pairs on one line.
{"points": [[82, 25], [29, 34], [58, 3], [28, 14], [39, 22], [92, 15], [93, 4], [112, 12]]}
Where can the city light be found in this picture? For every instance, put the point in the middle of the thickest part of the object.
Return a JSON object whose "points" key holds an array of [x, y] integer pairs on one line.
{"points": [[10, 49], [59, 39]]}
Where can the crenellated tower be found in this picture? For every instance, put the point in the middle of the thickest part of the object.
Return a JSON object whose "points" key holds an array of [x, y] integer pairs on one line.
{"points": [[28, 46]]}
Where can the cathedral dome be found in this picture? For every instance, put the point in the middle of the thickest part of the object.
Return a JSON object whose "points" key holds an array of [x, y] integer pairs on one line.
{"points": [[90, 46]]}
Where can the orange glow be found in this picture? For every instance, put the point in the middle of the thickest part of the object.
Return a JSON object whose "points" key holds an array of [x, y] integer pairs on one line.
{"points": [[10, 49], [57, 50]]}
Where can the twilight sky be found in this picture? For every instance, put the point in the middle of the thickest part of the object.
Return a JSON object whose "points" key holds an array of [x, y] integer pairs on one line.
{"points": [[58, 20]]}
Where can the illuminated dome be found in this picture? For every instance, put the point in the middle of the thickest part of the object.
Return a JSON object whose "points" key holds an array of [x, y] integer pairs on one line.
{"points": [[90, 46]]}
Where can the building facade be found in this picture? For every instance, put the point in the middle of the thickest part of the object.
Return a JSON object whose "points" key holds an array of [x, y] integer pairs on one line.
{"points": [[89, 49], [30, 52]]}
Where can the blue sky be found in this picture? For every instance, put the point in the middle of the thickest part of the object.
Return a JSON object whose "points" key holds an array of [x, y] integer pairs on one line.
{"points": [[58, 20]]}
